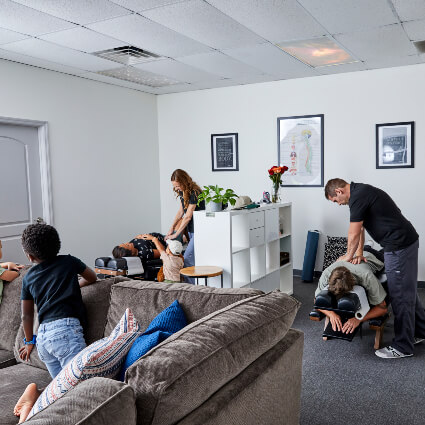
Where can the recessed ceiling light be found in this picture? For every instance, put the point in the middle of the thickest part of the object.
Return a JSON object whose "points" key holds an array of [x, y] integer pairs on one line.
{"points": [[317, 52]]}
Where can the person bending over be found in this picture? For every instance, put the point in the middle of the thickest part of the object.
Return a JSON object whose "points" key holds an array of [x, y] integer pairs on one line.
{"points": [[8, 272], [340, 278], [52, 284], [172, 260]]}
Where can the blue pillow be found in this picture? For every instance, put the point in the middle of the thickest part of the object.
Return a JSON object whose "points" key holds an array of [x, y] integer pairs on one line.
{"points": [[169, 321]]}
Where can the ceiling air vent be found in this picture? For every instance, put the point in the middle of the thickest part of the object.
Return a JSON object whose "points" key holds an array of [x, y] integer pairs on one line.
{"points": [[128, 55], [420, 46]]}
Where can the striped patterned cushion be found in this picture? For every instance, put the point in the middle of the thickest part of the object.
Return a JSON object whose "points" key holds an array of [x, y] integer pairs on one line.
{"points": [[102, 358]]}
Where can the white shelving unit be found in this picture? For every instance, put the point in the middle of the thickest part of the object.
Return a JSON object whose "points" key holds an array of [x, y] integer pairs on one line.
{"points": [[247, 245]]}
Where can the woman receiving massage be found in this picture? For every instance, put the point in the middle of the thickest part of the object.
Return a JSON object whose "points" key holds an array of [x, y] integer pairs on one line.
{"points": [[340, 278], [143, 247]]}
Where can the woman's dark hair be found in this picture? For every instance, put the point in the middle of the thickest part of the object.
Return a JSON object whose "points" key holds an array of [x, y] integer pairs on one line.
{"points": [[188, 185], [341, 281], [119, 252], [41, 241]]}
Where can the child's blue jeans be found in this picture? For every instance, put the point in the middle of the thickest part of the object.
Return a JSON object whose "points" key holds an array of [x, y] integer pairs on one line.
{"points": [[58, 342]]}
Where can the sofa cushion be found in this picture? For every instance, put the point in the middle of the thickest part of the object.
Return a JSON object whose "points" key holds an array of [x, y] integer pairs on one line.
{"points": [[181, 373], [148, 299], [96, 298], [10, 311], [102, 358], [13, 381], [92, 402], [169, 321]]}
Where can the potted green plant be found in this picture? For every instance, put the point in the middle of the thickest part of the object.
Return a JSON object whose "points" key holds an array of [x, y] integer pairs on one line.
{"points": [[214, 198]]}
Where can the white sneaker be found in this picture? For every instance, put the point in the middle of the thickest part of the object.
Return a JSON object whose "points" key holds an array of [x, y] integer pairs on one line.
{"points": [[390, 353], [418, 340]]}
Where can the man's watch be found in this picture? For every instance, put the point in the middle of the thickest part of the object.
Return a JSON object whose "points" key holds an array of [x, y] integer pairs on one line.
{"points": [[32, 342]]}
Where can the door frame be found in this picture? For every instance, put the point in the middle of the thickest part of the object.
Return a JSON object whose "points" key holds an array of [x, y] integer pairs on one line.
{"points": [[43, 150]]}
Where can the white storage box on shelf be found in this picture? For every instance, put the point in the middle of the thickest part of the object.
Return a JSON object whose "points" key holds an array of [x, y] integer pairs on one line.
{"points": [[247, 244]]}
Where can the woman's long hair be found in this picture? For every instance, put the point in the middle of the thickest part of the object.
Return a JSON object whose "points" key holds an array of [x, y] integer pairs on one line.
{"points": [[187, 184]]}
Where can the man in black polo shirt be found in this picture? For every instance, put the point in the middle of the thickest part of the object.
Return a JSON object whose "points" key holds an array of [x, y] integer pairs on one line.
{"points": [[374, 210]]}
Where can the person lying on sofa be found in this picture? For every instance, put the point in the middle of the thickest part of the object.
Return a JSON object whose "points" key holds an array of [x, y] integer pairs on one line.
{"points": [[340, 278], [8, 272], [52, 284], [172, 259]]}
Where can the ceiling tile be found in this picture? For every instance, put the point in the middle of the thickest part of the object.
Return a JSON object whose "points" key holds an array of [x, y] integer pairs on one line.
{"points": [[391, 62], [415, 30], [271, 60], [176, 70], [78, 11], [148, 35], [338, 69], [204, 23], [342, 16], [226, 82], [176, 88], [7, 36], [140, 5], [115, 81], [25, 20], [275, 21], [409, 10], [83, 39], [51, 52], [219, 64], [39, 63], [380, 43]]}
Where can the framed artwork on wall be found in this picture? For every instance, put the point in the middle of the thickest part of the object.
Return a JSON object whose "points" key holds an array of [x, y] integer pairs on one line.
{"points": [[300, 148], [224, 152], [395, 145]]}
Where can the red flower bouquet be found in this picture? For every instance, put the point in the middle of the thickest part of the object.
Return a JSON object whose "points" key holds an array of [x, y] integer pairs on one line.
{"points": [[275, 175]]}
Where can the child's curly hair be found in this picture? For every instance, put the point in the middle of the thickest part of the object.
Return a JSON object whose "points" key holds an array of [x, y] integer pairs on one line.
{"points": [[341, 281], [41, 241]]}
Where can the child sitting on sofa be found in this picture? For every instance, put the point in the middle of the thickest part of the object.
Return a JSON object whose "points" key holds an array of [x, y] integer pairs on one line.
{"points": [[8, 272], [52, 284], [172, 259]]}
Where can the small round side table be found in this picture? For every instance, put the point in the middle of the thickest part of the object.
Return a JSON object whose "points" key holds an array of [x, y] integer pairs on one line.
{"points": [[202, 272]]}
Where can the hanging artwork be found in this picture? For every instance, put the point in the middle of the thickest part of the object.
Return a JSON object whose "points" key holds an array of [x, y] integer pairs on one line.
{"points": [[395, 145], [300, 148], [224, 152]]}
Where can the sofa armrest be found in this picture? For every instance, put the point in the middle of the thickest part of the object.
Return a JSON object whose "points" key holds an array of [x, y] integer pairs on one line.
{"points": [[92, 402]]}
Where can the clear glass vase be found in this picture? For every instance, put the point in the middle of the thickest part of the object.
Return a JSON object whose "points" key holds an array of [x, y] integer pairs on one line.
{"points": [[275, 194]]}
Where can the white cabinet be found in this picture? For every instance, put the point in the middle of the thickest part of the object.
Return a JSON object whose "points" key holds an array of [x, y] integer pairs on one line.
{"points": [[247, 244]]}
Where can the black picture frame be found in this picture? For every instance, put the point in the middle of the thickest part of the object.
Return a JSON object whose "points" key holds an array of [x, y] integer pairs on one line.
{"points": [[224, 152], [395, 145], [300, 146]]}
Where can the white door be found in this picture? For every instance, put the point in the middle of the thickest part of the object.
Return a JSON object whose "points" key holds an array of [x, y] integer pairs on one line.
{"points": [[25, 193]]}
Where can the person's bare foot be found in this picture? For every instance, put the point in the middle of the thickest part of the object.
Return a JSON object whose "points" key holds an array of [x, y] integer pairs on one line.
{"points": [[26, 401]]}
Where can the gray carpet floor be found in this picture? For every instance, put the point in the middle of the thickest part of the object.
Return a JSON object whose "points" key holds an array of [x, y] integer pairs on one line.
{"points": [[346, 383]]}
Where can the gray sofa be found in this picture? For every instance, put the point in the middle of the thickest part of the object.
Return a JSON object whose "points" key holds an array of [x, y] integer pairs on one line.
{"points": [[237, 362]]}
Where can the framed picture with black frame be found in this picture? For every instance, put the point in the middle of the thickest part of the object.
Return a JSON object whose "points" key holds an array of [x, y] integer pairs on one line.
{"points": [[395, 144], [300, 148], [224, 152]]}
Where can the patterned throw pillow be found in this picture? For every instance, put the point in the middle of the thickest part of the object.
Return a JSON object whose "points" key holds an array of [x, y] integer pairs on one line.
{"points": [[102, 358], [169, 321], [334, 248]]}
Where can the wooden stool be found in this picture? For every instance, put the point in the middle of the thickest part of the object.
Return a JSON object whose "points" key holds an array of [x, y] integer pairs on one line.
{"points": [[202, 272]]}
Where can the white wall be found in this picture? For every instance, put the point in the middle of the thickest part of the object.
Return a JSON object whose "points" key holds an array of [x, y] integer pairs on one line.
{"points": [[103, 152], [352, 103]]}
